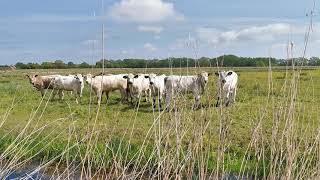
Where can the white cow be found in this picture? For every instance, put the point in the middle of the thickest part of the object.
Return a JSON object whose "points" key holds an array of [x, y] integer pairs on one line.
{"points": [[226, 87], [81, 78], [186, 84], [157, 87], [68, 83], [106, 84], [138, 86]]}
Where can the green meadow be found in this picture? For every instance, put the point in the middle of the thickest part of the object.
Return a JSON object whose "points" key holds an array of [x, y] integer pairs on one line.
{"points": [[271, 131]]}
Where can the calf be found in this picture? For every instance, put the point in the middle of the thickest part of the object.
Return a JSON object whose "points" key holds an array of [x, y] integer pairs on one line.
{"points": [[138, 86], [186, 84], [69, 83], [42, 83], [226, 87], [106, 84], [157, 87]]}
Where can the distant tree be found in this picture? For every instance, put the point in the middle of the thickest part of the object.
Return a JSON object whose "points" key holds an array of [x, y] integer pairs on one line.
{"points": [[99, 64], [84, 65], [71, 65], [47, 65], [59, 64], [314, 61], [225, 61], [33, 66], [20, 65]]}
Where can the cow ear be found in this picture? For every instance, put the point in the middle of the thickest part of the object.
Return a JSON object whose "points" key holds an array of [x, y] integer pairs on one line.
{"points": [[217, 74], [136, 76], [125, 77], [36, 75], [146, 77], [229, 73]]}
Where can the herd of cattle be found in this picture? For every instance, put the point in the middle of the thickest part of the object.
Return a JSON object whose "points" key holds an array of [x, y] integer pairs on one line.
{"points": [[135, 86]]}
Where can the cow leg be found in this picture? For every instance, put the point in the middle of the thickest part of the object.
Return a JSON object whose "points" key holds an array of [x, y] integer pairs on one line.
{"points": [[128, 95], [137, 99], [149, 95], [130, 98], [99, 96], [197, 102], [123, 96], [154, 102], [76, 94], [80, 95], [168, 99], [227, 99], [61, 94], [228, 102], [160, 106], [217, 103], [234, 95], [107, 96], [53, 94], [145, 93], [42, 92]]}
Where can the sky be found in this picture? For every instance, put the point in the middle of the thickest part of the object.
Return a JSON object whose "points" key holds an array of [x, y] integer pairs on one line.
{"points": [[71, 30]]}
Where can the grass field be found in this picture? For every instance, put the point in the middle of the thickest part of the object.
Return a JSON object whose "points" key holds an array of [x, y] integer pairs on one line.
{"points": [[271, 131]]}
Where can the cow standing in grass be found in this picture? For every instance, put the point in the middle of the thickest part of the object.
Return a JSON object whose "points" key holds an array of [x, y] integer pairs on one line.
{"points": [[106, 84], [42, 83], [69, 83], [157, 87], [138, 86], [186, 84], [226, 87]]}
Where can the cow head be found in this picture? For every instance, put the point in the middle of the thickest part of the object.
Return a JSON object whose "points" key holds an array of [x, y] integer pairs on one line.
{"points": [[88, 78], [33, 79], [222, 76], [204, 77], [130, 78], [151, 77], [80, 78]]}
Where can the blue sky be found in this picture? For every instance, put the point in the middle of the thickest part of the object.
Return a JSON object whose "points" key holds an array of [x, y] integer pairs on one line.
{"points": [[36, 31]]}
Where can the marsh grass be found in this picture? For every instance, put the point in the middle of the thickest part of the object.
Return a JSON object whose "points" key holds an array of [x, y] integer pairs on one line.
{"points": [[271, 132]]}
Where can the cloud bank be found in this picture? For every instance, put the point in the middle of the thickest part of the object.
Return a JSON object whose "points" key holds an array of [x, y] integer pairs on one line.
{"points": [[144, 11]]}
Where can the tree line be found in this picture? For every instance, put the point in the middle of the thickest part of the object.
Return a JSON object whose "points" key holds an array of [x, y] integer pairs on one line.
{"points": [[226, 61]]}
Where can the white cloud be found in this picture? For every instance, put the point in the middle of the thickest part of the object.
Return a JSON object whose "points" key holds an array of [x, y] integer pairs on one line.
{"points": [[152, 29], [254, 33], [144, 11], [157, 37], [150, 47]]}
